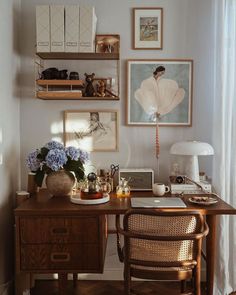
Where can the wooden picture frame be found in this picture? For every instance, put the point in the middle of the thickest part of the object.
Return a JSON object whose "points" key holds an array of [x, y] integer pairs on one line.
{"points": [[168, 94], [92, 130], [147, 28]]}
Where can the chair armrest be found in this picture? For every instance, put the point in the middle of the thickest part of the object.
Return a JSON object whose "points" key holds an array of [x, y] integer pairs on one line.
{"points": [[205, 229]]}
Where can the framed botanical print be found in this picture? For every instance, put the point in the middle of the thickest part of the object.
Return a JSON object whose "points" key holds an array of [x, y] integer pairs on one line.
{"points": [[91, 130], [147, 28], [159, 87]]}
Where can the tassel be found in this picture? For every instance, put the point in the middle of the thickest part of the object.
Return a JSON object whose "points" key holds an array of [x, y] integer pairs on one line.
{"points": [[157, 142], [157, 137]]}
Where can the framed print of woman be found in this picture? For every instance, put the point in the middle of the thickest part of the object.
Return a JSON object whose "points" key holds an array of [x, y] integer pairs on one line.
{"points": [[167, 92]]}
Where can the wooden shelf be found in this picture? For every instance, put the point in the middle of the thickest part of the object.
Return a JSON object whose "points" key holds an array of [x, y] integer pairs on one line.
{"points": [[46, 83], [67, 95], [79, 55]]}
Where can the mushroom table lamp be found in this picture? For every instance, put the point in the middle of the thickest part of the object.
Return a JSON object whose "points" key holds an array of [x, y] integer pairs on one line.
{"points": [[192, 149]]}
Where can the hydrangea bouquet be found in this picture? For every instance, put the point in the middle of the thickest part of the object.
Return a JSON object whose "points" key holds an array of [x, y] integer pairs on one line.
{"points": [[53, 157]]}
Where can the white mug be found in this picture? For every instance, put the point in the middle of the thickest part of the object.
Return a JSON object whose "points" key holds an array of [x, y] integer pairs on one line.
{"points": [[159, 189]]}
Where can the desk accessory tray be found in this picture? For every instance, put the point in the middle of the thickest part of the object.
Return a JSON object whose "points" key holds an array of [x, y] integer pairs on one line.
{"points": [[204, 200], [76, 199]]}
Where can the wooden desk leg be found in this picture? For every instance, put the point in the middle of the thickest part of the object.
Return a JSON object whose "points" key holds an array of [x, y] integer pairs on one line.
{"points": [[62, 283], [22, 283], [75, 278], [210, 252]]}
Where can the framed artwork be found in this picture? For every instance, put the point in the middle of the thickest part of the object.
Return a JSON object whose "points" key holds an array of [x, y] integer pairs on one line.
{"points": [[162, 87], [147, 28], [91, 130]]}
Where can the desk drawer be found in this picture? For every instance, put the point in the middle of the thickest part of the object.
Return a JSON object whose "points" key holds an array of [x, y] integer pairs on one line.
{"points": [[37, 230], [60, 257]]}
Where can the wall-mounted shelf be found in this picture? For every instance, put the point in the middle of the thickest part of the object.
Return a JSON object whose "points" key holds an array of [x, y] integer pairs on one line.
{"points": [[66, 95], [74, 89], [65, 90], [71, 83], [79, 55]]}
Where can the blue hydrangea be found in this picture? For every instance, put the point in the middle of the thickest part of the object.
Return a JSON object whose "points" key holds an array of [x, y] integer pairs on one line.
{"points": [[56, 158], [32, 161], [84, 156], [73, 153], [54, 145]]}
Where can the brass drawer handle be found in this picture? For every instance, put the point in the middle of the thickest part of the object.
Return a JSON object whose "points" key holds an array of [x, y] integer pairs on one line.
{"points": [[59, 231], [60, 257]]}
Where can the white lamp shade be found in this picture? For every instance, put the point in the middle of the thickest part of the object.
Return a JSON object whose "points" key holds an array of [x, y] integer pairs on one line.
{"points": [[192, 148]]}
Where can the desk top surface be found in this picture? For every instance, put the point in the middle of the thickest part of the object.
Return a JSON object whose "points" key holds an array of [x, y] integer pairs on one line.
{"points": [[44, 204]]}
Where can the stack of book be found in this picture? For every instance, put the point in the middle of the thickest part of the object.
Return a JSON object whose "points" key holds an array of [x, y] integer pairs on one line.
{"points": [[191, 188]]}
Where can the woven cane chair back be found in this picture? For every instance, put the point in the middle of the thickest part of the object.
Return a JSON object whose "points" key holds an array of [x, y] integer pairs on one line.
{"points": [[154, 225]]}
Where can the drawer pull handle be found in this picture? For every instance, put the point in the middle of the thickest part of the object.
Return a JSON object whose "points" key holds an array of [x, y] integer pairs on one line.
{"points": [[60, 257], [60, 230]]}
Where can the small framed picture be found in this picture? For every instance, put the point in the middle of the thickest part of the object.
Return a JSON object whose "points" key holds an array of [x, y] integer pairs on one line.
{"points": [[147, 28], [91, 130], [159, 87]]}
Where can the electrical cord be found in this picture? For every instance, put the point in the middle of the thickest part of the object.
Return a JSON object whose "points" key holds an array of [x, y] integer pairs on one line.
{"points": [[199, 185]]}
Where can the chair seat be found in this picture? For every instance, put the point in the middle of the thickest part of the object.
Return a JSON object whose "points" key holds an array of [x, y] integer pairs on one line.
{"points": [[141, 267], [161, 273]]}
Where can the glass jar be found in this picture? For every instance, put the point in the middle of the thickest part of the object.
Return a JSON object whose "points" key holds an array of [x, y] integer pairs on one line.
{"points": [[123, 190]]}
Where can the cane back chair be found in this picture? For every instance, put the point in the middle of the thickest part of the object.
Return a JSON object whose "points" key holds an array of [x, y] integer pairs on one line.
{"points": [[161, 245]]}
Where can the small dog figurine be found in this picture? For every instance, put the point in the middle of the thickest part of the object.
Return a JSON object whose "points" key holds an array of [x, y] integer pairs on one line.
{"points": [[101, 88], [89, 89]]}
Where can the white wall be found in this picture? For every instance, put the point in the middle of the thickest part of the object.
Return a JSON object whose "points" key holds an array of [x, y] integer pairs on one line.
{"points": [[9, 135], [187, 34]]}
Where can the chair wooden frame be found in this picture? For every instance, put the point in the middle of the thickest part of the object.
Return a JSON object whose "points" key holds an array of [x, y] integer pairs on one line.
{"points": [[183, 270]]}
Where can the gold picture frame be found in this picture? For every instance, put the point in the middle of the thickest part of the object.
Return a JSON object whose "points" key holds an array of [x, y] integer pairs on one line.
{"points": [[147, 28], [92, 130]]}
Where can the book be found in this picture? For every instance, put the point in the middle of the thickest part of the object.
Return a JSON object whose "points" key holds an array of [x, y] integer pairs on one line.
{"points": [[190, 188]]}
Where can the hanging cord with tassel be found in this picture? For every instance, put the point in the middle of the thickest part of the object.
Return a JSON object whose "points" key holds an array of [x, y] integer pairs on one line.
{"points": [[157, 141]]}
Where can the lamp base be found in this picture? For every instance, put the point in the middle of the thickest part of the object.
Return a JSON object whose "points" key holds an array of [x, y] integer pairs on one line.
{"points": [[192, 168]]}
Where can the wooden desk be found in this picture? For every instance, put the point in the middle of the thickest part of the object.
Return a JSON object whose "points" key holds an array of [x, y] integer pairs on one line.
{"points": [[44, 220]]}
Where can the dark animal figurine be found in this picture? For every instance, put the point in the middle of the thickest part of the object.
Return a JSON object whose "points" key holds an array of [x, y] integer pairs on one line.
{"points": [[89, 89]]}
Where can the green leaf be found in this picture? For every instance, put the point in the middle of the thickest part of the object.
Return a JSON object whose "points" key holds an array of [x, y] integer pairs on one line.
{"points": [[43, 153], [39, 177], [79, 174], [76, 167]]}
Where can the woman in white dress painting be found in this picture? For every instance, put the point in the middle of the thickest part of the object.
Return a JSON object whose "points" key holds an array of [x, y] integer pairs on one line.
{"points": [[157, 95]]}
